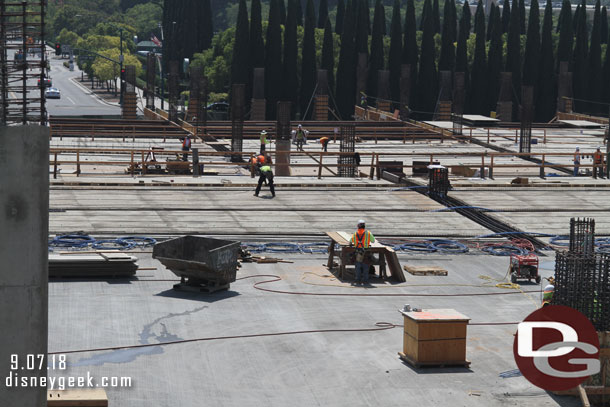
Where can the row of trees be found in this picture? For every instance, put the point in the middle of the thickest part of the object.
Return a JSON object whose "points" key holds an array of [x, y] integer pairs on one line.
{"points": [[294, 42]]}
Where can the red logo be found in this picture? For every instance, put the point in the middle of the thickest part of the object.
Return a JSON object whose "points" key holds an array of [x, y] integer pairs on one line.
{"points": [[556, 348]]}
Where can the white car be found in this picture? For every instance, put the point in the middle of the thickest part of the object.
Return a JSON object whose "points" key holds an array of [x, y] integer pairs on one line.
{"points": [[52, 93]]}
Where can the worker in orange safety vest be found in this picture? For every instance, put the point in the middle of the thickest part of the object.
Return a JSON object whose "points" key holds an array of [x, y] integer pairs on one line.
{"points": [[361, 241]]}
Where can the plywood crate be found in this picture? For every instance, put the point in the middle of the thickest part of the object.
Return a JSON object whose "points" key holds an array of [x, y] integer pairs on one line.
{"points": [[77, 397], [435, 337]]}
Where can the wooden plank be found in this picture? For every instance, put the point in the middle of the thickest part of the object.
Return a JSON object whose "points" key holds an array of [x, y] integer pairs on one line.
{"points": [[425, 270], [394, 265], [583, 396], [77, 398], [339, 239]]}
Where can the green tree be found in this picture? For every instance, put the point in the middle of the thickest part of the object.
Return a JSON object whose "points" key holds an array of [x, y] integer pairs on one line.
{"points": [[362, 28], [339, 18], [257, 46], [522, 17], [531, 59], [594, 65], [453, 21], [513, 53], [395, 54], [346, 70], [606, 76], [206, 20], [410, 53], [291, 82], [461, 53], [273, 60], [490, 24], [505, 16], [604, 26], [322, 13], [447, 55], [580, 58], [377, 57], [145, 18], [308, 73], [240, 65], [478, 82], [496, 44], [566, 35], [467, 18], [282, 7], [436, 16], [299, 13], [328, 55], [427, 81], [576, 19], [546, 100], [67, 37]]}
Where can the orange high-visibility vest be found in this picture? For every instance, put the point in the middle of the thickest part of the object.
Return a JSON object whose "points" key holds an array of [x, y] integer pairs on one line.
{"points": [[362, 239], [597, 157]]}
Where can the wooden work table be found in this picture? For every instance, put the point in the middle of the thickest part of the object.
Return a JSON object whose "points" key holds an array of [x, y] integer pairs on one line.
{"points": [[387, 255]]}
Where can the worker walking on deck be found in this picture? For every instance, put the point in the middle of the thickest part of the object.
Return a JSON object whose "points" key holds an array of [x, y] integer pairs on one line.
{"points": [[598, 163], [361, 241], [266, 174], [576, 161], [264, 141], [186, 146], [300, 137], [324, 142]]}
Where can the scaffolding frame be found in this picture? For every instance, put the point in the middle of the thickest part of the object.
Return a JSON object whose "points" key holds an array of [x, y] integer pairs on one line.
{"points": [[23, 63]]}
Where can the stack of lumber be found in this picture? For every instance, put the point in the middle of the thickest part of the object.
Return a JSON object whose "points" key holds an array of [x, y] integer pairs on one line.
{"points": [[92, 265], [426, 270]]}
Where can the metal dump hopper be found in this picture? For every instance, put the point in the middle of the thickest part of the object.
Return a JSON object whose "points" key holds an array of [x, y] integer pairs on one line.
{"points": [[202, 263]]}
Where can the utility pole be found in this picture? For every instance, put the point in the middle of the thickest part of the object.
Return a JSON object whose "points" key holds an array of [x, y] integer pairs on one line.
{"points": [[121, 67], [161, 68]]}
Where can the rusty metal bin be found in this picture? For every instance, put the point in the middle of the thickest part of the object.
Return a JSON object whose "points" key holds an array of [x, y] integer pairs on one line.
{"points": [[203, 264]]}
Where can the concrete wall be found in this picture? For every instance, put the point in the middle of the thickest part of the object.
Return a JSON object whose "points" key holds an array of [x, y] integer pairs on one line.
{"points": [[24, 219]]}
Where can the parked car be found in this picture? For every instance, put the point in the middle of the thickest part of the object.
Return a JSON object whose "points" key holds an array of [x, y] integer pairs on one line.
{"points": [[218, 111], [52, 93], [47, 83]]}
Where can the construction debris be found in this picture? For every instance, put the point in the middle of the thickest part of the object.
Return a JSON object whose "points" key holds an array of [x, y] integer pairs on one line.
{"points": [[426, 270]]}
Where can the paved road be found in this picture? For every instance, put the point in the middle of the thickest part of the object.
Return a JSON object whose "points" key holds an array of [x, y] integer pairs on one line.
{"points": [[76, 100]]}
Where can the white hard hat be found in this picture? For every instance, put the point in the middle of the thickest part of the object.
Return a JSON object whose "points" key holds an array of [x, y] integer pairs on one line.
{"points": [[578, 148], [300, 126], [599, 148], [361, 222], [264, 132]]}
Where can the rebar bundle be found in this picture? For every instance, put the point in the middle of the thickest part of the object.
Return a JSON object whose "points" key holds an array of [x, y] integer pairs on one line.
{"points": [[238, 100], [173, 91], [347, 162], [23, 62], [582, 236], [438, 181]]}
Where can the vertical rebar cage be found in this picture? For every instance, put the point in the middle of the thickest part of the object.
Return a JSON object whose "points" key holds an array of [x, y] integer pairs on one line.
{"points": [[173, 91], [150, 81], [438, 181], [23, 62], [238, 100], [347, 160], [582, 235], [527, 116], [582, 282]]}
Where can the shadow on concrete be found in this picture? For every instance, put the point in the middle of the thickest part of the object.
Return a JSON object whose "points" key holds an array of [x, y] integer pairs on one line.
{"points": [[437, 369], [195, 296]]}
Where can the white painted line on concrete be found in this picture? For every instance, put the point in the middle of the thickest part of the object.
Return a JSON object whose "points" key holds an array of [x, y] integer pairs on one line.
{"points": [[70, 99], [93, 94]]}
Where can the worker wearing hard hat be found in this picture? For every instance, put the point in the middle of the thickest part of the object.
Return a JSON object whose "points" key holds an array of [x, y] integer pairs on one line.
{"points": [[264, 141], [361, 241], [549, 290], [598, 163], [576, 161], [324, 142], [300, 137]]}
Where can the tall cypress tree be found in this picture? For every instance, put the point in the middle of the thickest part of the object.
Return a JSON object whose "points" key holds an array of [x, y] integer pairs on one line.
{"points": [[566, 35], [362, 36], [322, 13], [479, 23], [580, 57], [240, 72], [282, 12], [422, 18], [273, 60], [427, 82], [409, 51], [453, 21], [436, 17], [367, 15], [446, 60], [208, 24], [490, 23], [546, 100], [513, 53], [531, 59], [299, 13], [522, 17], [376, 59], [339, 18], [467, 17], [505, 16], [328, 55], [291, 84], [576, 19], [606, 76], [478, 82], [308, 61], [595, 60], [346, 71], [257, 46], [604, 26], [461, 53], [395, 51], [495, 65]]}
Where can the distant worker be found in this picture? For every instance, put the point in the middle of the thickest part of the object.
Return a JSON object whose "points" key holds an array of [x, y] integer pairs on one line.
{"points": [[186, 146], [264, 141], [361, 241], [576, 161], [265, 174], [324, 141], [363, 103], [300, 137], [598, 163], [547, 296]]}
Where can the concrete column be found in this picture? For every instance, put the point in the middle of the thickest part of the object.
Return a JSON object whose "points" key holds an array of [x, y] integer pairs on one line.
{"points": [[24, 219]]}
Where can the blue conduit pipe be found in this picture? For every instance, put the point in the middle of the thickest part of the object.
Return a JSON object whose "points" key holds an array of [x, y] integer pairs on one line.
{"points": [[278, 247], [316, 247], [505, 250], [253, 247], [448, 246], [418, 247], [112, 244], [141, 241], [73, 241]]}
